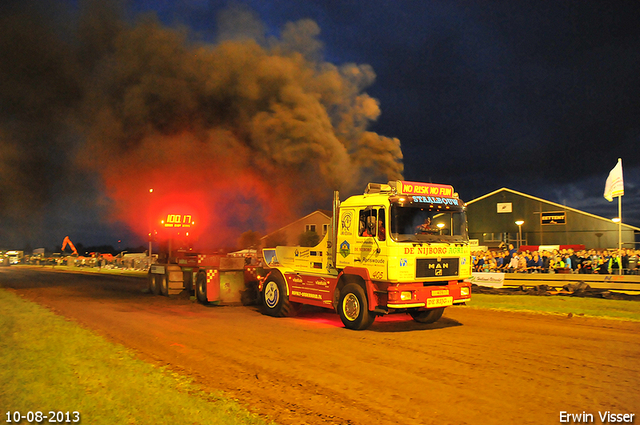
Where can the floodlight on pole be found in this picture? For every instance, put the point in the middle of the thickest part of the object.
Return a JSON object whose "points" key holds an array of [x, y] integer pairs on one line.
{"points": [[519, 223]]}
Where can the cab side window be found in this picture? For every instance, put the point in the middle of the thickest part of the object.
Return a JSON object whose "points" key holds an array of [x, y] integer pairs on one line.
{"points": [[382, 231], [368, 223]]}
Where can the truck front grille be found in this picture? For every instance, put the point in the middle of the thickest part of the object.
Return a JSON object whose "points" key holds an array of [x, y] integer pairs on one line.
{"points": [[436, 267]]}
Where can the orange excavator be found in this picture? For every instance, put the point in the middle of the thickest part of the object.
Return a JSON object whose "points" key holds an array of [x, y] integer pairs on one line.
{"points": [[66, 241]]}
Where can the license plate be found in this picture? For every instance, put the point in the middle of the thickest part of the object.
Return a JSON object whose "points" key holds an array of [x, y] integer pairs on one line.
{"points": [[440, 302]]}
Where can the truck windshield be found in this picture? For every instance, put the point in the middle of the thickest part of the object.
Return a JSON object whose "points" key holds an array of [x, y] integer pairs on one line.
{"points": [[420, 223]]}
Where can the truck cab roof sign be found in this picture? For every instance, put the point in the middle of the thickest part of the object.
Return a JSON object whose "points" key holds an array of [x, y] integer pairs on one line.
{"points": [[429, 189]]}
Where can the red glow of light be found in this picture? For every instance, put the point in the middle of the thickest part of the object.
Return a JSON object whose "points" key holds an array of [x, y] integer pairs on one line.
{"points": [[328, 319], [225, 192], [391, 318], [322, 320]]}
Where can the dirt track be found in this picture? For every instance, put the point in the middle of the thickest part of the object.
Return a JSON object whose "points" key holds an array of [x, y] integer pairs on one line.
{"points": [[471, 367]]}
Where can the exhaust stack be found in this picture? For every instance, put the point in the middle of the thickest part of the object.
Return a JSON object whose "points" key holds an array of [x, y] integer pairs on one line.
{"points": [[334, 227]]}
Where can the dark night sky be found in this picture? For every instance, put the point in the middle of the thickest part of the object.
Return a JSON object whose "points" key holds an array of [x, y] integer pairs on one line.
{"points": [[539, 97]]}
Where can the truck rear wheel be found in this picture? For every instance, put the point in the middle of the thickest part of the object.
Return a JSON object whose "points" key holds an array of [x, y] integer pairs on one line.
{"points": [[427, 316], [275, 301], [201, 288], [354, 308]]}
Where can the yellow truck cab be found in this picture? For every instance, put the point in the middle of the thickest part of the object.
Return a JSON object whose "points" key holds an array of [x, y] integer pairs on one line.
{"points": [[399, 247]]}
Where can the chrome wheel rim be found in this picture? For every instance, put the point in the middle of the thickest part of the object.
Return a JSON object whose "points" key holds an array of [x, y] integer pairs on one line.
{"points": [[351, 307]]}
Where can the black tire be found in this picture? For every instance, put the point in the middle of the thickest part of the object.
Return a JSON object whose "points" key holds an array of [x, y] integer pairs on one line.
{"points": [[150, 282], [353, 308], [201, 288], [427, 316], [275, 301], [154, 283], [164, 285]]}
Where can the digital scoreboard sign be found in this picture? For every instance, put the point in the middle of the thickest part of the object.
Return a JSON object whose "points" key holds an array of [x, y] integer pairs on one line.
{"points": [[178, 221]]}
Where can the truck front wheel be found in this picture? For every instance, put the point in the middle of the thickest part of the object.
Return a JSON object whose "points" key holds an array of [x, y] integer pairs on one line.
{"points": [[354, 308], [427, 316], [201, 288], [275, 301]]}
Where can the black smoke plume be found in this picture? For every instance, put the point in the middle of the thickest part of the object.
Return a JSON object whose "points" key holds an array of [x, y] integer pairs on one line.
{"points": [[248, 131]]}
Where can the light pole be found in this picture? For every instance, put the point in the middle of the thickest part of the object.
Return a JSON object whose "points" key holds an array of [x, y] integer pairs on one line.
{"points": [[150, 229], [519, 223]]}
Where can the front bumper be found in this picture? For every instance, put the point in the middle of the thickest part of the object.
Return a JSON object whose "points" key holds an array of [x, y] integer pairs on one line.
{"points": [[421, 295]]}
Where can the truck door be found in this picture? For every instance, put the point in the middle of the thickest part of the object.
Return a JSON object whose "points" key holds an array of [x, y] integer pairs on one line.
{"points": [[371, 249]]}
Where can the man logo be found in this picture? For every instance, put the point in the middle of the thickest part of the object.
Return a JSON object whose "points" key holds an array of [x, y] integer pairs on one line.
{"points": [[403, 262]]}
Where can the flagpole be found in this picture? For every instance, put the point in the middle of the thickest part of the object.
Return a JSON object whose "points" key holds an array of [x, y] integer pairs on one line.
{"points": [[614, 187], [620, 214], [620, 223]]}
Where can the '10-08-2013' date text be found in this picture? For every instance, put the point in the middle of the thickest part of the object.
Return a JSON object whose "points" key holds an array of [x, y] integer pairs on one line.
{"points": [[50, 416]]}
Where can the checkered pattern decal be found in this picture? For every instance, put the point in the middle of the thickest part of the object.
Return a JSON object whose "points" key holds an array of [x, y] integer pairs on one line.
{"points": [[211, 273]]}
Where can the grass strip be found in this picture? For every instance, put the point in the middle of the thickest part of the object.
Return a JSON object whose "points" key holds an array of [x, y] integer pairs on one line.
{"points": [[593, 307], [50, 364]]}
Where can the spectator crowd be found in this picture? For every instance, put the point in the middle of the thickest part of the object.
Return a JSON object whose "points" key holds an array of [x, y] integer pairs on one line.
{"points": [[592, 261]]}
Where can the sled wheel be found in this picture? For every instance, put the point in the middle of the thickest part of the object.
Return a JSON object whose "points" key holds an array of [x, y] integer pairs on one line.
{"points": [[154, 283], [164, 285], [201, 288]]}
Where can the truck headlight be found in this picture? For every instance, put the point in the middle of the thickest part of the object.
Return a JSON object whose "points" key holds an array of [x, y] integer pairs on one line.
{"points": [[464, 291], [406, 295]]}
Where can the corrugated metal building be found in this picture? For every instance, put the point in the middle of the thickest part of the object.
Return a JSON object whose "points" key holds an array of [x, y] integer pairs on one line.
{"points": [[492, 219]]}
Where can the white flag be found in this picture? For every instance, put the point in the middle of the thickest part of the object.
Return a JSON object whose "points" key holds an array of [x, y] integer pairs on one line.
{"points": [[614, 186]]}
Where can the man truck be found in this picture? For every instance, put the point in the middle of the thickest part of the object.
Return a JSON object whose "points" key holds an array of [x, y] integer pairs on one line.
{"points": [[401, 247]]}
